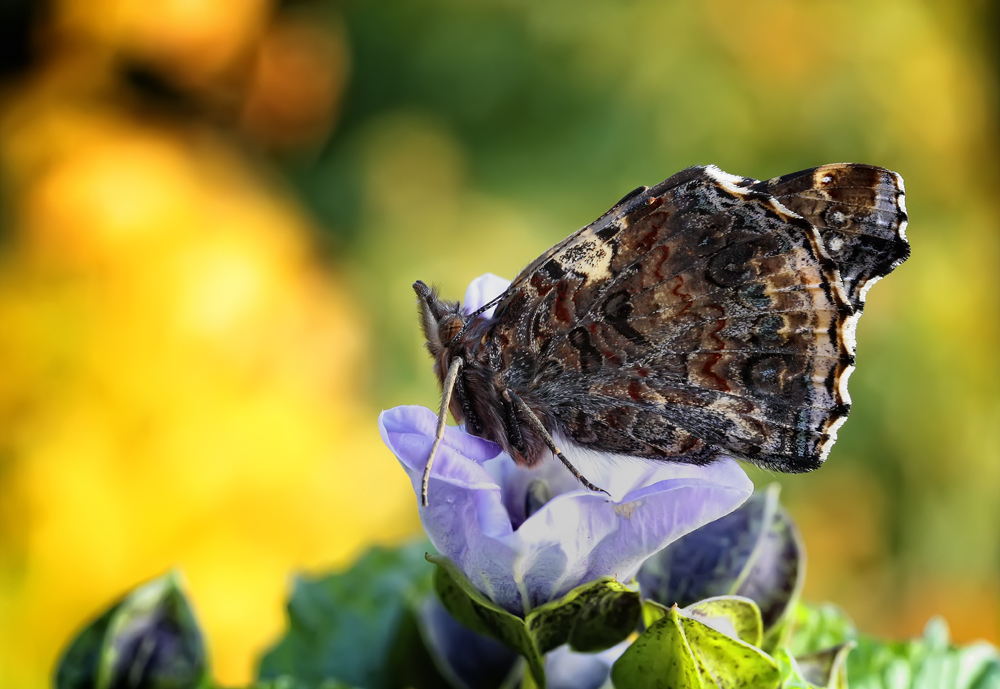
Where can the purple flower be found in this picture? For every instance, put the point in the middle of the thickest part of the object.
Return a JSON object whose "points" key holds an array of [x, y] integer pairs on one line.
{"points": [[527, 536]]}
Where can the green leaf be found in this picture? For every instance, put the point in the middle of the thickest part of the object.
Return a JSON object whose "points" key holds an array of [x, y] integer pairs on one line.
{"points": [[77, 669], [814, 628], [827, 668], [820, 640], [528, 681], [150, 639], [358, 627], [740, 613], [286, 682], [791, 674], [929, 662], [590, 618], [679, 651], [477, 612], [661, 658], [754, 552], [821, 670], [728, 662]]}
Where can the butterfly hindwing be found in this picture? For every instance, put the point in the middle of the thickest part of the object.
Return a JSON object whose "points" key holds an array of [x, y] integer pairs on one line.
{"points": [[698, 317]]}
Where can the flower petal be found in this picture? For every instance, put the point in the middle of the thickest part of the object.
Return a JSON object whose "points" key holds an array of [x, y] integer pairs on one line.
{"points": [[399, 423], [576, 537], [581, 535], [567, 669], [467, 659], [482, 290], [466, 520]]}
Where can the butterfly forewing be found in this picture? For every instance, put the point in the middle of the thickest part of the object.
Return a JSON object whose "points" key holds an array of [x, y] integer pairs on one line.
{"points": [[699, 317], [860, 213]]}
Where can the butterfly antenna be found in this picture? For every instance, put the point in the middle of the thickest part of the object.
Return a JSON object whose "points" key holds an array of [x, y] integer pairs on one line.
{"points": [[540, 427], [446, 389]]}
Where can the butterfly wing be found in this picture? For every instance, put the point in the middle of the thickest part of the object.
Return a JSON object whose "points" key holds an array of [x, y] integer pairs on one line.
{"points": [[860, 212], [695, 318]]}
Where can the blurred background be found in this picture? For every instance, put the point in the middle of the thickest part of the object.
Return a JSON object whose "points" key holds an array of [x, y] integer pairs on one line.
{"points": [[211, 214]]}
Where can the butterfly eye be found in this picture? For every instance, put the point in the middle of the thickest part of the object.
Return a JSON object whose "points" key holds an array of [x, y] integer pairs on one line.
{"points": [[449, 328]]}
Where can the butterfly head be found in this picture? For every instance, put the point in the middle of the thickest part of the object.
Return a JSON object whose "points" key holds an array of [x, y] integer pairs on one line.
{"points": [[442, 320]]}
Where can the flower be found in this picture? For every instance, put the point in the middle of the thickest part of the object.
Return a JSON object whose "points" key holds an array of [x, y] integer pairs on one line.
{"points": [[527, 536]]}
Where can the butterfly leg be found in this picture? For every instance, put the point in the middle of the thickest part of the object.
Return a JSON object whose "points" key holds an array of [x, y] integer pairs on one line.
{"points": [[446, 389], [540, 427]]}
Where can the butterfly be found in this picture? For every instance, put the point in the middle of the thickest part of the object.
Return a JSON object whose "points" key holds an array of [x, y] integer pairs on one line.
{"points": [[708, 315]]}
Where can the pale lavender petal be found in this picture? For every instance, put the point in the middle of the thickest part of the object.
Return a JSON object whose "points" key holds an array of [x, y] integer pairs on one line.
{"points": [[566, 669], [514, 481], [465, 658], [574, 538], [408, 425], [482, 290], [466, 520], [600, 537]]}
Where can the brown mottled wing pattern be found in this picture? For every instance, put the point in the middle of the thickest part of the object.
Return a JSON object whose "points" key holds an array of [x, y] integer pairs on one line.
{"points": [[698, 317], [860, 212]]}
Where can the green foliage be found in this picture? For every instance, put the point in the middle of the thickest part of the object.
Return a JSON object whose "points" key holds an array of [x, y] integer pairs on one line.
{"points": [[827, 668], [815, 628], [823, 636], [358, 626], [149, 639], [591, 617], [715, 643], [286, 682], [358, 630], [821, 670], [680, 650], [79, 664], [792, 676], [741, 613], [481, 615], [755, 552], [930, 662]]}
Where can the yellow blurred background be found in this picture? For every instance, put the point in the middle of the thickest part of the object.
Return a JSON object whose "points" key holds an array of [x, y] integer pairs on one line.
{"points": [[211, 214]]}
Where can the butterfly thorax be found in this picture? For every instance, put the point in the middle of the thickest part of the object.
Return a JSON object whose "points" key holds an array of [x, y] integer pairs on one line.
{"points": [[478, 399]]}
